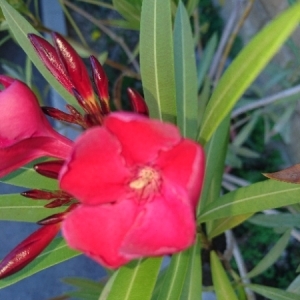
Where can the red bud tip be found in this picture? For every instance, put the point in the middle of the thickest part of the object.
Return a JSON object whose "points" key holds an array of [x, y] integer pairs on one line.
{"points": [[38, 194], [137, 102], [101, 83], [58, 203], [74, 66], [6, 81], [28, 250], [58, 114], [51, 60], [47, 195], [57, 218], [49, 169], [53, 219]]}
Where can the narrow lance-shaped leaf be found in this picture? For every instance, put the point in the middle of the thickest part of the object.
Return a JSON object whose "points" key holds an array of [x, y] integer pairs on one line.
{"points": [[157, 59], [185, 74], [276, 220], [130, 12], [14, 207], [272, 256], [221, 225], [256, 197], [174, 278], [272, 293], [222, 285], [27, 177], [136, 280], [192, 288], [244, 69]]}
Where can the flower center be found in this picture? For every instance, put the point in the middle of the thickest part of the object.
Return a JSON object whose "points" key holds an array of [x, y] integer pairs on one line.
{"points": [[147, 182]]}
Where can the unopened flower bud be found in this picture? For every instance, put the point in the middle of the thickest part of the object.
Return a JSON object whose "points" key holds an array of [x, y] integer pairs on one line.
{"points": [[137, 102], [28, 250], [49, 169], [101, 83]]}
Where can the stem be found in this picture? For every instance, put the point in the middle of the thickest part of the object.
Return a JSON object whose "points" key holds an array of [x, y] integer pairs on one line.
{"points": [[232, 39], [265, 101]]}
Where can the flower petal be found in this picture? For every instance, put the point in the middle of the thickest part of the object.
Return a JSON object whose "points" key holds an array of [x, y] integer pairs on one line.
{"points": [[95, 173], [21, 153], [98, 231], [184, 166], [163, 226], [141, 138]]}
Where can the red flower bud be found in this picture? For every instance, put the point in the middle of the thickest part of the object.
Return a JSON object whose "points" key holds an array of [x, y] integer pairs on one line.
{"points": [[101, 83], [137, 102], [38, 194], [74, 67], [46, 195], [49, 169], [51, 60], [58, 202], [57, 218], [28, 250]]}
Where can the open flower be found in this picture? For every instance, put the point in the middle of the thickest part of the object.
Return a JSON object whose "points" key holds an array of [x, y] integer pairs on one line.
{"points": [[138, 182], [25, 133]]}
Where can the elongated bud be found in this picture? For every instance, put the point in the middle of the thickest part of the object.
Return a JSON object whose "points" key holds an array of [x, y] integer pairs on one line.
{"points": [[28, 250], [101, 83], [51, 60], [137, 102], [38, 194], [57, 218], [58, 114], [49, 169], [6, 81], [45, 195], [58, 202], [74, 66]]}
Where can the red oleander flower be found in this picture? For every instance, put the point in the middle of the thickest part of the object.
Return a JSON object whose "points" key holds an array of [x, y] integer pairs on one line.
{"points": [[25, 133], [138, 182]]}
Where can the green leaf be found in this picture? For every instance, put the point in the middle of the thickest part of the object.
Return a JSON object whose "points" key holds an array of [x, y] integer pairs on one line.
{"points": [[136, 280], [192, 288], [87, 289], [174, 278], [157, 59], [294, 287], [191, 6], [108, 286], [222, 285], [244, 69], [276, 220], [27, 177], [206, 59], [130, 12], [215, 161], [221, 225], [185, 74], [20, 29], [55, 253], [272, 293], [245, 132], [256, 197], [271, 257], [14, 207]]}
